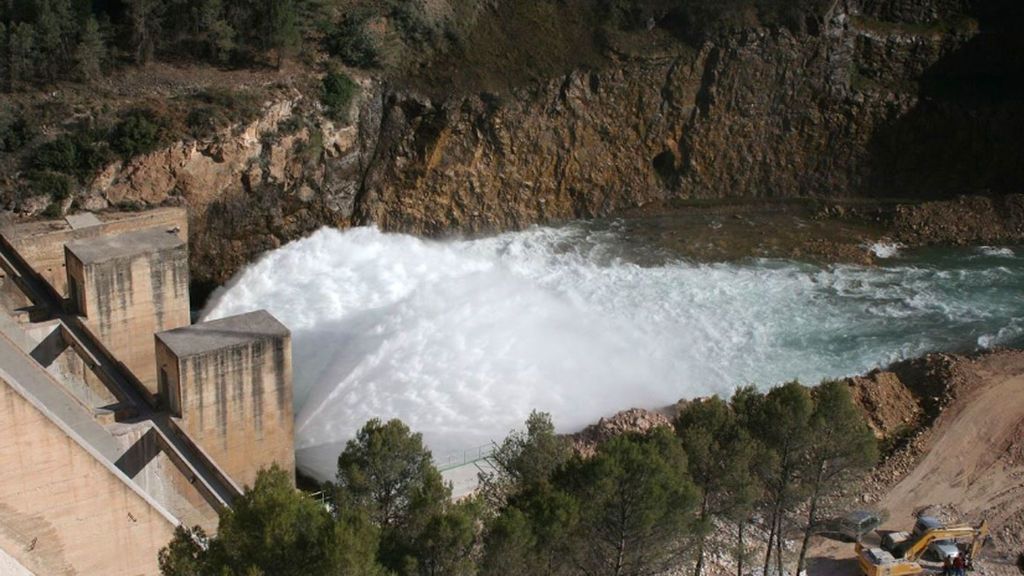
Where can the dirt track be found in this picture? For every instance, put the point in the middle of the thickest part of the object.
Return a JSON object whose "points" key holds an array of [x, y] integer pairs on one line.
{"points": [[972, 466]]}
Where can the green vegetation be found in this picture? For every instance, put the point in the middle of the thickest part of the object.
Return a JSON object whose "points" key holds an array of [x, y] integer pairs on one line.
{"points": [[15, 133], [42, 39], [639, 504], [138, 132], [337, 93], [57, 186], [275, 530], [77, 154]]}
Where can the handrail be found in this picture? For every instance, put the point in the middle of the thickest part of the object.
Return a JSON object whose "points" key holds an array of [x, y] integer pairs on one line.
{"points": [[466, 457]]}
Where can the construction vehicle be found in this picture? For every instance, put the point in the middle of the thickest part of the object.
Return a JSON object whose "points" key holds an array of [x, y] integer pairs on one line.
{"points": [[902, 560]]}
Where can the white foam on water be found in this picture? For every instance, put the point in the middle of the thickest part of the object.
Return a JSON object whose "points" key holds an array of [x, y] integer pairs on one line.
{"points": [[885, 249], [996, 251], [461, 339]]}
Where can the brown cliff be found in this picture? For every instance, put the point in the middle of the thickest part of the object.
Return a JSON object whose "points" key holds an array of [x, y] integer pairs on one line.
{"points": [[861, 106]]}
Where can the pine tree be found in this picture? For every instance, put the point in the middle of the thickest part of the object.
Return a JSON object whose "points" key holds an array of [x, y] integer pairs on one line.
{"points": [[635, 500], [144, 24], [5, 57], [54, 36], [280, 29], [524, 459], [214, 29], [22, 52], [782, 421], [841, 445], [386, 472], [90, 52], [274, 529], [720, 457]]}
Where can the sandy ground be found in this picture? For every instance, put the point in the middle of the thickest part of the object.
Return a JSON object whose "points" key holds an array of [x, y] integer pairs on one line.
{"points": [[971, 469]]}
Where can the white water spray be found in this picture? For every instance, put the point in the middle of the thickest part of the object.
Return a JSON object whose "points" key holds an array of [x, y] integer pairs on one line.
{"points": [[462, 339]]}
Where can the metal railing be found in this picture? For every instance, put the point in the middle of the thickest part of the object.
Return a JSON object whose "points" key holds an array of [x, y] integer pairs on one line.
{"points": [[465, 457]]}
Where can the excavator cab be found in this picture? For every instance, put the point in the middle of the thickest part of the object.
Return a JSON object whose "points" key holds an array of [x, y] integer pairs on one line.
{"points": [[878, 562]]}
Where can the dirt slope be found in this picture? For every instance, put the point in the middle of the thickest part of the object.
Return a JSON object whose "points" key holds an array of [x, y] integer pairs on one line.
{"points": [[975, 461], [971, 464]]}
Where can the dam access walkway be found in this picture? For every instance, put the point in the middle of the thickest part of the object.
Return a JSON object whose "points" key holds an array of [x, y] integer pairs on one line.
{"points": [[133, 401]]}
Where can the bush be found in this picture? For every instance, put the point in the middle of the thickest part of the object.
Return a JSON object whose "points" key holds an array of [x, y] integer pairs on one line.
{"points": [[237, 104], [353, 44], [140, 131], [337, 94], [203, 120], [59, 155], [14, 134], [57, 186], [76, 154]]}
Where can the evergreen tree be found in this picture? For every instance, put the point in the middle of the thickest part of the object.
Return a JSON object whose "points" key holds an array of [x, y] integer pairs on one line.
{"points": [[535, 534], [782, 420], [217, 34], [748, 484], [144, 25], [524, 459], [720, 458], [510, 546], [22, 52], [842, 444], [90, 52], [280, 29], [274, 529], [388, 473], [185, 555], [55, 32], [446, 544], [635, 502], [5, 57]]}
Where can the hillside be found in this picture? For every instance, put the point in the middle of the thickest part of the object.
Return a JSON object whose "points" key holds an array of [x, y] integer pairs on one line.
{"points": [[487, 116], [965, 461]]}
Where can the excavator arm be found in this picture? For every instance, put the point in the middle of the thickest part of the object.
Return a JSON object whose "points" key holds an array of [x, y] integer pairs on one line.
{"points": [[978, 534]]}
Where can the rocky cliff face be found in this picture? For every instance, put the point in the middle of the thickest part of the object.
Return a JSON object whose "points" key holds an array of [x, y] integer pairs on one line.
{"points": [[859, 107]]}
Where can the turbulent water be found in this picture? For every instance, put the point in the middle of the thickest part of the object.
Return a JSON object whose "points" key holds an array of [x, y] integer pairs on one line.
{"points": [[461, 339]]}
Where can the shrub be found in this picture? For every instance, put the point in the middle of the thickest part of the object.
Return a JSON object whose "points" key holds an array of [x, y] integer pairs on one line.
{"points": [[353, 44], [60, 155], [236, 105], [138, 132], [203, 120], [57, 186], [77, 154], [14, 134], [338, 91]]}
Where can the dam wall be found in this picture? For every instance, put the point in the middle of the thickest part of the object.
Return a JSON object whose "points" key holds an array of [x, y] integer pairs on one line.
{"points": [[64, 509], [41, 244]]}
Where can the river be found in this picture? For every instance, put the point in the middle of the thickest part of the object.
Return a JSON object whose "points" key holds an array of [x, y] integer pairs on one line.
{"points": [[461, 339]]}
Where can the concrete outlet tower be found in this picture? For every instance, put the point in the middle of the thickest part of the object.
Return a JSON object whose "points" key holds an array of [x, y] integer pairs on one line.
{"points": [[230, 383], [127, 287]]}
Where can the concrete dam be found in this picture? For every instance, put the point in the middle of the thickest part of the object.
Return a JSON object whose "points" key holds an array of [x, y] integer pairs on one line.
{"points": [[118, 416]]}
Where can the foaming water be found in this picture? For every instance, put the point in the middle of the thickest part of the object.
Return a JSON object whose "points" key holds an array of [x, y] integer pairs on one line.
{"points": [[461, 339]]}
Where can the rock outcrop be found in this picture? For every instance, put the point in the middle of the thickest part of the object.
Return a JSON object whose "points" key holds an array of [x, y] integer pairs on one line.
{"points": [[856, 107], [632, 421]]}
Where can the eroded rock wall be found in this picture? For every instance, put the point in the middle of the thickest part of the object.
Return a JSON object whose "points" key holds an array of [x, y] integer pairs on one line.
{"points": [[845, 110]]}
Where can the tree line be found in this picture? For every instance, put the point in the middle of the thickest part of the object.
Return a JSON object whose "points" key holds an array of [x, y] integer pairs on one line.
{"points": [[641, 504], [47, 40]]}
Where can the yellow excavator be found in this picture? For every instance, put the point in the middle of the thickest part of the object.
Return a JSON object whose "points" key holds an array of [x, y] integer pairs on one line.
{"points": [[902, 560]]}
